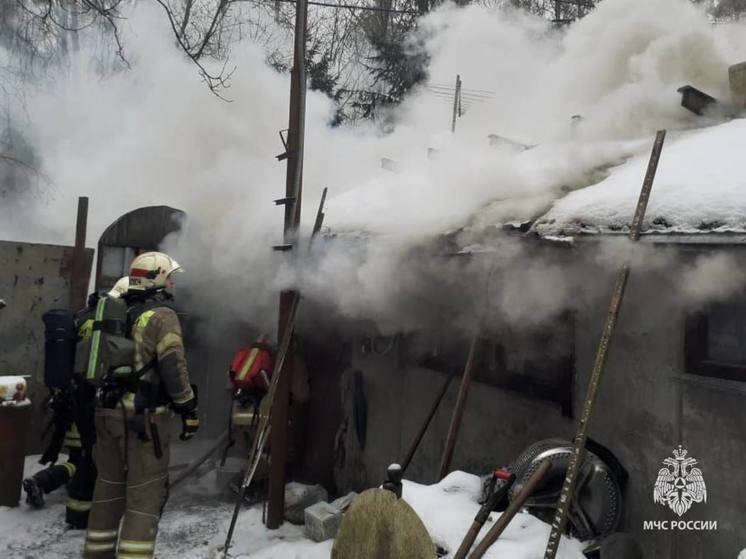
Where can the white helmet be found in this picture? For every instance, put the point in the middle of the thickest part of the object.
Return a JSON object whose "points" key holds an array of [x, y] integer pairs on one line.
{"points": [[120, 288], [150, 270]]}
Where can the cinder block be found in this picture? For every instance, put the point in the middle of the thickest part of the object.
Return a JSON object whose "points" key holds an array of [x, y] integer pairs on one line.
{"points": [[322, 521], [343, 503]]}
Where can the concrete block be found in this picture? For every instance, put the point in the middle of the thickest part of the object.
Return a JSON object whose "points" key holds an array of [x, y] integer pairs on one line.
{"points": [[298, 497], [322, 521], [343, 503]]}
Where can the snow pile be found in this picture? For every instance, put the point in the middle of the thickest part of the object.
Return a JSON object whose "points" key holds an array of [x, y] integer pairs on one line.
{"points": [[699, 188], [196, 519], [448, 508]]}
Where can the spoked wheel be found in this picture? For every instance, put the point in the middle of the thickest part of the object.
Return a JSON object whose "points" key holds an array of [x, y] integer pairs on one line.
{"points": [[595, 509]]}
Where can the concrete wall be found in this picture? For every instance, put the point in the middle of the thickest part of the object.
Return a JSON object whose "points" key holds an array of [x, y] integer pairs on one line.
{"points": [[33, 279], [645, 401]]}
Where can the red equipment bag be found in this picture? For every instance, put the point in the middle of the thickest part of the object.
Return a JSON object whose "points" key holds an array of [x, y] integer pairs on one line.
{"points": [[252, 366]]}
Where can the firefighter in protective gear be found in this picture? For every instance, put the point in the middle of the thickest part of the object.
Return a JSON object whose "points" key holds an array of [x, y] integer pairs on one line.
{"points": [[132, 421], [72, 410], [120, 288]]}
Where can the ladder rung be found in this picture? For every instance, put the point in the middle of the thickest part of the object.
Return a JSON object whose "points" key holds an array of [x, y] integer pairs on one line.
{"points": [[282, 201], [282, 248]]}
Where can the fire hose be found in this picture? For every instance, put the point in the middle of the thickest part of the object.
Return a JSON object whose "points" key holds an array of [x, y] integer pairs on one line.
{"points": [[193, 466]]}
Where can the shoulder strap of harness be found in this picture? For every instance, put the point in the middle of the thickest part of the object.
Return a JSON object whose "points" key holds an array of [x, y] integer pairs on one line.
{"points": [[133, 313]]}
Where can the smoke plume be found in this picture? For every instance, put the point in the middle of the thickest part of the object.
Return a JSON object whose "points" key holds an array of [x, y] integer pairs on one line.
{"points": [[155, 135]]}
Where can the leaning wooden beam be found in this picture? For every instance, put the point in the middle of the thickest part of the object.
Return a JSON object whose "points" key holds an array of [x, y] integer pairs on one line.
{"points": [[264, 427], [489, 505], [458, 411], [568, 487], [423, 429]]}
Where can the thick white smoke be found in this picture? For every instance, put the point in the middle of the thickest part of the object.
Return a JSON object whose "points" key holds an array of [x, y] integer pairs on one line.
{"points": [[155, 135]]}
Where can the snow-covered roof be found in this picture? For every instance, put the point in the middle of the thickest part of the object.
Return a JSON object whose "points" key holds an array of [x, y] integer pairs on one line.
{"points": [[700, 187]]}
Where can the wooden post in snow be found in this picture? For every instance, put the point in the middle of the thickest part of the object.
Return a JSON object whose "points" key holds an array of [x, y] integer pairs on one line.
{"points": [[78, 277], [288, 298]]}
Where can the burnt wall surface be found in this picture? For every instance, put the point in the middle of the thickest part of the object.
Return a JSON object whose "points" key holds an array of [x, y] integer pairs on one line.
{"points": [[34, 278], [646, 401]]}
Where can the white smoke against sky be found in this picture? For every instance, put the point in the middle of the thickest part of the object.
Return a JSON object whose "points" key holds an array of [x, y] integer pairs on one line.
{"points": [[155, 135]]}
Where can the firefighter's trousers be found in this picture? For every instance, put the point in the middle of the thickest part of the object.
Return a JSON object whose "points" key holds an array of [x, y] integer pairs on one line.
{"points": [[79, 474], [131, 488]]}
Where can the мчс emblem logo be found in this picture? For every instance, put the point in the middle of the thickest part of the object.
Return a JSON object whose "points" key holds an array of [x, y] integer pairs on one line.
{"points": [[679, 484]]}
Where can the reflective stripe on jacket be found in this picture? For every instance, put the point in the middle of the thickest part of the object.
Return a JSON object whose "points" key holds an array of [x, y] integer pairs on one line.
{"points": [[157, 335]]}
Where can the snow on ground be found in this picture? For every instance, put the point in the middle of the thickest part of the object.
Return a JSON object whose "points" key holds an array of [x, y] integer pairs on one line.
{"points": [[196, 519], [698, 188], [448, 509], [193, 526]]}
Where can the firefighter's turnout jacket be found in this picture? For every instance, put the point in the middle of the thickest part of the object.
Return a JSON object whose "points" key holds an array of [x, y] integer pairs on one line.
{"points": [[132, 480]]}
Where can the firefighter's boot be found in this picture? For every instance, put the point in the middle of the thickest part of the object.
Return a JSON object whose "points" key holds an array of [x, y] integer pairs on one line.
{"points": [[47, 481], [34, 493]]}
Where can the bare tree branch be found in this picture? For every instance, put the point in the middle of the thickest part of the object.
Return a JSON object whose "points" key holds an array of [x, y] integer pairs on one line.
{"points": [[213, 81]]}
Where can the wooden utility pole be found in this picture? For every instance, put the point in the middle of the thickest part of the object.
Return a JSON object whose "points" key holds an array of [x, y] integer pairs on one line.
{"points": [[78, 277], [456, 103], [292, 202]]}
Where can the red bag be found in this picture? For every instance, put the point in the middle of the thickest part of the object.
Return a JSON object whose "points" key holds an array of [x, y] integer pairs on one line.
{"points": [[252, 366]]}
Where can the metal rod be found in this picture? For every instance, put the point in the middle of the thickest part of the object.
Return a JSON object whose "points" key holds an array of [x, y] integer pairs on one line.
{"points": [[264, 429], [647, 186], [288, 298], [515, 506], [418, 439], [458, 411], [79, 278], [568, 487], [467, 89]]}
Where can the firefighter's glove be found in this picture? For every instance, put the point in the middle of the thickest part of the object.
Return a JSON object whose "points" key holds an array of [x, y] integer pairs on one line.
{"points": [[189, 418]]}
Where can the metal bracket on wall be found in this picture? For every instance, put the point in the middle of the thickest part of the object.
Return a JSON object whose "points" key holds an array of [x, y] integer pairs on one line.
{"points": [[284, 140]]}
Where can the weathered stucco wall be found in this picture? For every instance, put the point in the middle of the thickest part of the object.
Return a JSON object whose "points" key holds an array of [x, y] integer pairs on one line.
{"points": [[645, 401], [33, 279]]}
